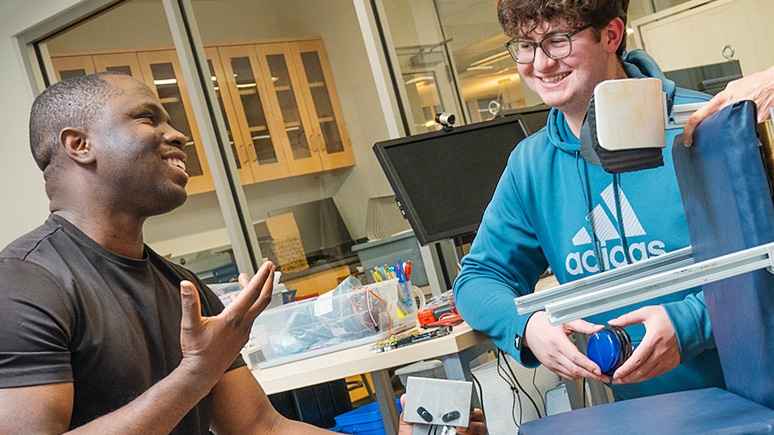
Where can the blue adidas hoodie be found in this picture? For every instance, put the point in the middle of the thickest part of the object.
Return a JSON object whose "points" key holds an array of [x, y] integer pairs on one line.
{"points": [[539, 217]]}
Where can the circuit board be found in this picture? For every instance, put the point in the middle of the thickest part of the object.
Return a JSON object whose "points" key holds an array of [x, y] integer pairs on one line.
{"points": [[409, 338]]}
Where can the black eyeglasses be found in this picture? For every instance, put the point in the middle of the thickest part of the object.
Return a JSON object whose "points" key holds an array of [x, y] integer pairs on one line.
{"points": [[556, 46]]}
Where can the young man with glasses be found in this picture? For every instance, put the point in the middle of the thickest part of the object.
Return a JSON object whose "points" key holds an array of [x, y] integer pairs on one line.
{"points": [[550, 201]]}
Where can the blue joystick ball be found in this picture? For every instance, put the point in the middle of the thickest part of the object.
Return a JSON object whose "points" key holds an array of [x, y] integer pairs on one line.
{"points": [[609, 348]]}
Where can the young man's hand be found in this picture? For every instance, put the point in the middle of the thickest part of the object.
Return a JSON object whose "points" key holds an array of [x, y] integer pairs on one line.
{"points": [[552, 347], [658, 352]]}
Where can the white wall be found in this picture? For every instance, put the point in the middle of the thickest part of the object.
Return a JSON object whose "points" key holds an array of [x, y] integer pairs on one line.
{"points": [[24, 203], [131, 25], [255, 19], [217, 21]]}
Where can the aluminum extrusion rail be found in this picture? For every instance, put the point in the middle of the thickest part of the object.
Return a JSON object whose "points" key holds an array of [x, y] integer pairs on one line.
{"points": [[565, 307], [537, 301]]}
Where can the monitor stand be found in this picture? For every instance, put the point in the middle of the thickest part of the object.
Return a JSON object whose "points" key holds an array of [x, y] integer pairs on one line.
{"points": [[441, 262]]}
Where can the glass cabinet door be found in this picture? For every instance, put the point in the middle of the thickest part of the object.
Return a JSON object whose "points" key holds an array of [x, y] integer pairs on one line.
{"points": [[233, 130], [162, 73], [125, 63], [303, 156], [76, 66], [72, 66], [261, 134], [325, 112]]}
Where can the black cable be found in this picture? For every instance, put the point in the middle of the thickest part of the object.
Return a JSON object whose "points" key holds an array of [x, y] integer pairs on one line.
{"points": [[529, 396], [534, 375], [514, 392], [619, 216], [584, 392], [480, 392], [590, 207]]}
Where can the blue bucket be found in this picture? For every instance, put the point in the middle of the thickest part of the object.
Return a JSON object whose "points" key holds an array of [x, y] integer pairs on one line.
{"points": [[366, 420]]}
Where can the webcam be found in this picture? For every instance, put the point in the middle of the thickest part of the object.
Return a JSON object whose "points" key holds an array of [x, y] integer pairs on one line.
{"points": [[445, 119]]}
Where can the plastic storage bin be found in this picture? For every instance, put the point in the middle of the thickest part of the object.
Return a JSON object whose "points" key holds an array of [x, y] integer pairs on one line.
{"points": [[387, 251], [366, 420], [325, 324], [401, 298]]}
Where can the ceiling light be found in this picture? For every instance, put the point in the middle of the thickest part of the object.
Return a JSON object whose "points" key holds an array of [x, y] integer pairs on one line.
{"points": [[161, 82], [490, 59], [478, 68], [419, 79]]}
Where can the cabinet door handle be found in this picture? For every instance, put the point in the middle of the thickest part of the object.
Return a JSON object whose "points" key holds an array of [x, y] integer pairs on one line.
{"points": [[322, 142], [254, 153], [312, 143], [728, 52], [242, 153]]}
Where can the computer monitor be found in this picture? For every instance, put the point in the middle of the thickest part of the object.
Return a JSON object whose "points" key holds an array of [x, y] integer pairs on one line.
{"points": [[444, 180], [711, 78], [533, 117]]}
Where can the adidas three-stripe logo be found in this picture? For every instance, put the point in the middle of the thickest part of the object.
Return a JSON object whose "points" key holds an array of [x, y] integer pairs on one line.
{"points": [[605, 225]]}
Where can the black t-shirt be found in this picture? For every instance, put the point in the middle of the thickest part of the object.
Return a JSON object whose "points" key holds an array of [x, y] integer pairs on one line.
{"points": [[72, 311]]}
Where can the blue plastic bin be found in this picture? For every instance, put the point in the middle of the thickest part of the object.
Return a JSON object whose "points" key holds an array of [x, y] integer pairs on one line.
{"points": [[366, 420]]}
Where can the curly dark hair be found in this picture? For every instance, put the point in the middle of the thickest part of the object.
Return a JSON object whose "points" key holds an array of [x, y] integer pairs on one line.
{"points": [[520, 17], [74, 102]]}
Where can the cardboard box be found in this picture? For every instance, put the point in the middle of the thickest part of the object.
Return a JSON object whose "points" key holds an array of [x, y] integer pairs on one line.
{"points": [[280, 242]]}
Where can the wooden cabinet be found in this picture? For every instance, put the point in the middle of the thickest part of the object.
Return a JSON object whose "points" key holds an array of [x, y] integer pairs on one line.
{"points": [[285, 104], [277, 98], [240, 139], [126, 63], [324, 110], [262, 139], [704, 32], [73, 66], [289, 106]]}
